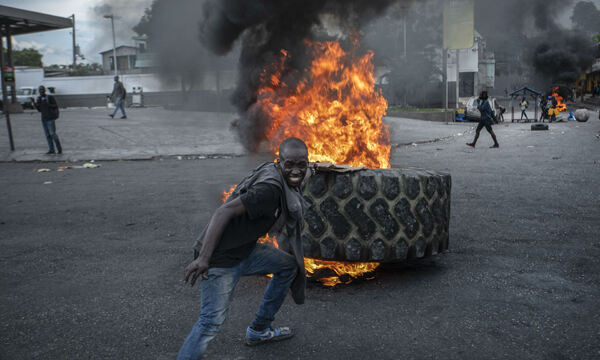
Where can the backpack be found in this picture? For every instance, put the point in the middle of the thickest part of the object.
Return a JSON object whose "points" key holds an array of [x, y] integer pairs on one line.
{"points": [[54, 111]]}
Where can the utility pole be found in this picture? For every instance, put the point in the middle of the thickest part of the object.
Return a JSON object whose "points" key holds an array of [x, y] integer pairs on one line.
{"points": [[74, 44], [5, 32], [457, 76], [112, 22], [405, 104], [445, 77]]}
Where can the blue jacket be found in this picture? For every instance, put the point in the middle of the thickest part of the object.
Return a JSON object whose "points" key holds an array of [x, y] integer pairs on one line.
{"points": [[485, 109]]}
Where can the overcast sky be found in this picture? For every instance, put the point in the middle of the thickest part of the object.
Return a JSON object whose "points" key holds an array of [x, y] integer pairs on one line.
{"points": [[93, 31]]}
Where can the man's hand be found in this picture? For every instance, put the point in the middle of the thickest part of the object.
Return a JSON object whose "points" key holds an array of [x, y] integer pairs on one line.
{"points": [[195, 269]]}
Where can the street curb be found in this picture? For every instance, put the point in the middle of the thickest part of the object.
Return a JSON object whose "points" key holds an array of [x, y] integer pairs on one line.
{"points": [[148, 158]]}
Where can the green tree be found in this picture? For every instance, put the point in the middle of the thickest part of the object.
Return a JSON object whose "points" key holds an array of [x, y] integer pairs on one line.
{"points": [[85, 69], [26, 57]]}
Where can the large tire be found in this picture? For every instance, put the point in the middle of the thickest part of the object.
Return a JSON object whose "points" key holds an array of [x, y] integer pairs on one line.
{"points": [[383, 215], [539, 127]]}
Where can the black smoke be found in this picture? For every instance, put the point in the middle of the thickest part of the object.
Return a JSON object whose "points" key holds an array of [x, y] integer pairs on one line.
{"points": [[533, 42], [264, 27], [563, 58], [559, 55]]}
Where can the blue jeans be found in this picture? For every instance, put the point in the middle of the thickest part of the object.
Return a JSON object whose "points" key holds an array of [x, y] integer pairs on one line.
{"points": [[51, 137], [523, 113], [217, 293], [119, 105]]}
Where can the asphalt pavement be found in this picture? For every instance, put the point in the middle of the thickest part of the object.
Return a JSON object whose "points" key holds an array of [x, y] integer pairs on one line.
{"points": [[92, 260], [154, 132]]}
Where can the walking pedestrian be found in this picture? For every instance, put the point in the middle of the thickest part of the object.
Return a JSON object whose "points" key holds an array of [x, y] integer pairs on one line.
{"points": [[485, 109], [524, 105], [267, 200], [47, 106], [499, 112], [544, 108], [119, 94]]}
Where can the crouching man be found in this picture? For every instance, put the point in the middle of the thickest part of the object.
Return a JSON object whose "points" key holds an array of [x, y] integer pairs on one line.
{"points": [[266, 201]]}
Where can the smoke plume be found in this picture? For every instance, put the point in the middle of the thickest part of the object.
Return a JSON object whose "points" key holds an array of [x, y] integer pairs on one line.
{"points": [[535, 37], [264, 28]]}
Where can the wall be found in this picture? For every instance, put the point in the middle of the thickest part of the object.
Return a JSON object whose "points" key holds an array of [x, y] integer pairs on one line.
{"points": [[26, 76], [86, 85], [211, 92], [192, 100]]}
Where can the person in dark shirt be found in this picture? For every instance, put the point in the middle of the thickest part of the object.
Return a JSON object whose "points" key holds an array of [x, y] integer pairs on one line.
{"points": [[487, 115], [119, 94], [47, 106], [230, 250], [544, 107]]}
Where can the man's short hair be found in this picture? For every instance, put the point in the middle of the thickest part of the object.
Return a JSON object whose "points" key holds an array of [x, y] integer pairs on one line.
{"points": [[292, 143]]}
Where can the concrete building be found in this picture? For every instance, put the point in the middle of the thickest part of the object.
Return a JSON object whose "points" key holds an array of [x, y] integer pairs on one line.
{"points": [[592, 76], [126, 57], [477, 68]]}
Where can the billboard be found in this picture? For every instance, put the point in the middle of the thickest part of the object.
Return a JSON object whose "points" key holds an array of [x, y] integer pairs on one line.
{"points": [[458, 24]]}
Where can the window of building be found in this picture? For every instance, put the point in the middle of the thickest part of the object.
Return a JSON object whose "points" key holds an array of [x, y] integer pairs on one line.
{"points": [[123, 62]]}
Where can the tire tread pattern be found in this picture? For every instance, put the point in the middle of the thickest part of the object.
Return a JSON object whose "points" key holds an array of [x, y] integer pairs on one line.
{"points": [[384, 215]]}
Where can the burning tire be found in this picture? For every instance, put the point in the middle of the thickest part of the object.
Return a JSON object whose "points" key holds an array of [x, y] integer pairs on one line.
{"points": [[383, 215], [539, 127]]}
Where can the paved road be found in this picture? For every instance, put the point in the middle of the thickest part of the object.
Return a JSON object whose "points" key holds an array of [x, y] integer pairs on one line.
{"points": [[155, 132], [91, 264]]}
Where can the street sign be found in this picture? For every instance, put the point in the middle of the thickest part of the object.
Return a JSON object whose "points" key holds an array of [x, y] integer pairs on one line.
{"points": [[458, 24], [8, 74]]}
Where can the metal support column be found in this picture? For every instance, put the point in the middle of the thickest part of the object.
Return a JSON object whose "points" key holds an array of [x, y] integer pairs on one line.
{"points": [[74, 44], [457, 78], [10, 63], [4, 96]]}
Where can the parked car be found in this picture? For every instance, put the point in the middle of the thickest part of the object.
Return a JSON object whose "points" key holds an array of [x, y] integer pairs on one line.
{"points": [[471, 112], [25, 94]]}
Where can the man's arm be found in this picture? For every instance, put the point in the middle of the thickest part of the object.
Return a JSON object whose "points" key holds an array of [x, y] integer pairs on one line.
{"points": [[112, 93], [36, 103], [216, 226]]}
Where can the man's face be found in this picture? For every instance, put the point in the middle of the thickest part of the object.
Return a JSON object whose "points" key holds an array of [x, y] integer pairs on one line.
{"points": [[42, 91], [293, 163], [116, 78]]}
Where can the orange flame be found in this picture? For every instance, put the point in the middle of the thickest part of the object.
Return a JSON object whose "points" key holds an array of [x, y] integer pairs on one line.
{"points": [[267, 240], [345, 272], [226, 193], [334, 108], [337, 112], [561, 106]]}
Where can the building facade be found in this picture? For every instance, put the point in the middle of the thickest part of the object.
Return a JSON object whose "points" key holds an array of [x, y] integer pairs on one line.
{"points": [[126, 58]]}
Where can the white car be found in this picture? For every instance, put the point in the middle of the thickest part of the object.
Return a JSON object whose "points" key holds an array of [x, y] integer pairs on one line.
{"points": [[471, 112], [25, 94]]}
